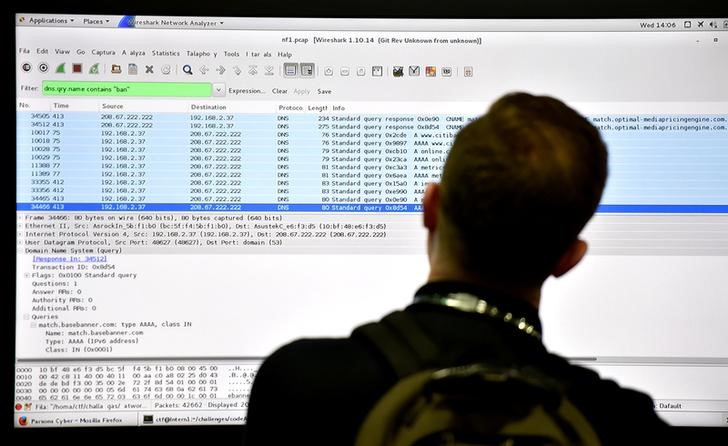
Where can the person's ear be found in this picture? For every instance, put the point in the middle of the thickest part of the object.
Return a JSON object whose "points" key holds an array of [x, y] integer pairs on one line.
{"points": [[570, 258], [431, 206]]}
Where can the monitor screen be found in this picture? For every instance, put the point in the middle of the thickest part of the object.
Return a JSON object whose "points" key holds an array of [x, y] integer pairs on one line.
{"points": [[193, 192]]}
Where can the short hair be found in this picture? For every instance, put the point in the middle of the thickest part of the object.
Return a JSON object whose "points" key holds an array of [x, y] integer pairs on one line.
{"points": [[518, 186]]}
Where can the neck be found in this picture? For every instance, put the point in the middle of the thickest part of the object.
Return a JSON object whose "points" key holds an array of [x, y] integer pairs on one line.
{"points": [[529, 294]]}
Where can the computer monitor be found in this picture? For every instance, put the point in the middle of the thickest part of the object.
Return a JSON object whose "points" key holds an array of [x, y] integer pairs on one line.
{"points": [[195, 191]]}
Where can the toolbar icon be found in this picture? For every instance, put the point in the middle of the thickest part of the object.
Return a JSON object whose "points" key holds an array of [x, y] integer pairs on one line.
{"points": [[328, 71], [77, 68], [468, 71], [94, 69], [290, 69], [43, 67], [253, 70], [204, 69], [688, 24], [237, 70], [307, 69], [270, 70], [220, 70], [446, 71], [414, 70], [26, 66], [377, 70], [149, 69], [361, 71], [344, 71], [187, 69], [132, 69], [166, 69], [398, 71], [430, 71], [115, 69], [61, 68]]}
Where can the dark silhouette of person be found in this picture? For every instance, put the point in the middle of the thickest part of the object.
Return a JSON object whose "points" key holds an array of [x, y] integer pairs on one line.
{"points": [[517, 188]]}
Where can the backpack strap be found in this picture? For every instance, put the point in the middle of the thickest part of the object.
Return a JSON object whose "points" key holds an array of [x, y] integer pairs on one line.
{"points": [[405, 346]]}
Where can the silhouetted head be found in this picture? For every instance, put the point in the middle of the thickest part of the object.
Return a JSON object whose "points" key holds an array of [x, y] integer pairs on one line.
{"points": [[518, 186]]}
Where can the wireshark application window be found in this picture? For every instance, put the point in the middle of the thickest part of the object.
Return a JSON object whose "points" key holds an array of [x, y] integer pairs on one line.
{"points": [[194, 192]]}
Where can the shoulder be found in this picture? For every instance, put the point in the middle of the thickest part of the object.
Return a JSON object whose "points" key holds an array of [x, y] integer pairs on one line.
{"points": [[616, 412], [309, 380], [318, 368], [605, 392], [313, 358]]}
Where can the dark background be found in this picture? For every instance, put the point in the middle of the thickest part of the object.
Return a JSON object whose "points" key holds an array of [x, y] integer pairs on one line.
{"points": [[272, 8]]}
